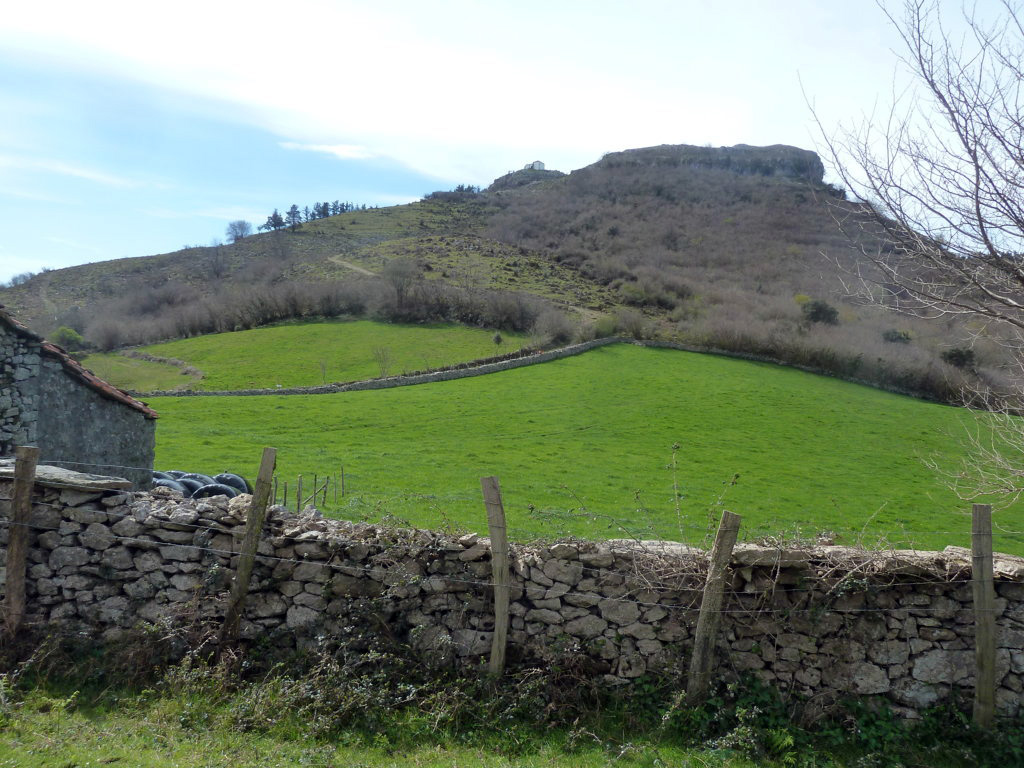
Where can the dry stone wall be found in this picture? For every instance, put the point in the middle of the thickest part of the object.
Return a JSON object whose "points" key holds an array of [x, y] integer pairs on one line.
{"points": [[519, 359], [820, 623]]}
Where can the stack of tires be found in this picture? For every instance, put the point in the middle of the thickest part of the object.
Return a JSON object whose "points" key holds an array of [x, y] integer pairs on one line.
{"points": [[195, 485]]}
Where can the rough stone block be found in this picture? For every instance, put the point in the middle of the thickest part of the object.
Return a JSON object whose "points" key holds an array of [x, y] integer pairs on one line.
{"points": [[544, 615], [65, 557], [621, 612], [889, 652], [97, 536], [470, 642]]}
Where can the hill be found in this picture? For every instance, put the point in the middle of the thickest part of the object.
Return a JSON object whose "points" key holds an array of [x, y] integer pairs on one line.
{"points": [[732, 248]]}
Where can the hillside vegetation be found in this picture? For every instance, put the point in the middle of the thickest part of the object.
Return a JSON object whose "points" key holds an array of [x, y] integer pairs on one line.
{"points": [[584, 446], [724, 248], [300, 355]]}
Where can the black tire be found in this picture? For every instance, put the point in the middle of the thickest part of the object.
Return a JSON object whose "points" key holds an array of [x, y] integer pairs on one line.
{"points": [[191, 485], [215, 489], [175, 473], [237, 482], [203, 479]]}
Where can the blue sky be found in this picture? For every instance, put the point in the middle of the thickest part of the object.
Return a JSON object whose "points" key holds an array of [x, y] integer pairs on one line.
{"points": [[131, 128]]}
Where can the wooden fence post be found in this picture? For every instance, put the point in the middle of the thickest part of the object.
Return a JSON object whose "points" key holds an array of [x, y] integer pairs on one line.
{"points": [[711, 610], [247, 557], [984, 617], [499, 568], [17, 542], [298, 495]]}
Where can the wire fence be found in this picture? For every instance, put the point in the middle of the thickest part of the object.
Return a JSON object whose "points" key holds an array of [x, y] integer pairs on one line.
{"points": [[432, 494]]}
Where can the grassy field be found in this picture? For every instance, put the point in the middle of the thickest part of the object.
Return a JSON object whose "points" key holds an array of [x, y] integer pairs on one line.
{"points": [[302, 355], [139, 375], [584, 446], [173, 732]]}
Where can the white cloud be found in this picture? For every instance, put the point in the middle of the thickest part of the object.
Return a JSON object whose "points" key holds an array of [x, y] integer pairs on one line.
{"points": [[341, 151], [466, 90], [65, 169], [230, 213], [24, 194], [454, 89]]}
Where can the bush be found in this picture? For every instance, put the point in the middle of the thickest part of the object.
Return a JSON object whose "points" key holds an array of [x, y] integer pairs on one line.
{"points": [[960, 357], [604, 327], [68, 338], [894, 336], [632, 323], [818, 311], [553, 327]]}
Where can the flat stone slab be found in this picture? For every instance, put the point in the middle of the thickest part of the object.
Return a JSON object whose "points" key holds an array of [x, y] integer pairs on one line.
{"points": [[58, 477], [1009, 567]]}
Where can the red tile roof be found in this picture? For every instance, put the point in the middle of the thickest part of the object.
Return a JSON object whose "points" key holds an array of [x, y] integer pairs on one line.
{"points": [[73, 368]]}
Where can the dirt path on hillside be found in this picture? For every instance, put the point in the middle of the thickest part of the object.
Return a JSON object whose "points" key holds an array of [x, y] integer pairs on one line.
{"points": [[48, 306], [353, 267]]}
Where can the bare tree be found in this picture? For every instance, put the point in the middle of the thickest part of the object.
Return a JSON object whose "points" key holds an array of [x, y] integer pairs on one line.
{"points": [[402, 273], [940, 182], [943, 175], [238, 230]]}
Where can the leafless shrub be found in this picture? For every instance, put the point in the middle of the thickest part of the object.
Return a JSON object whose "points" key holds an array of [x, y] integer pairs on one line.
{"points": [[553, 327]]}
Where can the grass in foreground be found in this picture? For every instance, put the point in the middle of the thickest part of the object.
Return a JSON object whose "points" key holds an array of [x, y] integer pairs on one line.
{"points": [[584, 447], [306, 354], [376, 709]]}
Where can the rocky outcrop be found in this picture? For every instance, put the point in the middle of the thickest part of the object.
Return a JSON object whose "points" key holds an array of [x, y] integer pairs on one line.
{"points": [[776, 160]]}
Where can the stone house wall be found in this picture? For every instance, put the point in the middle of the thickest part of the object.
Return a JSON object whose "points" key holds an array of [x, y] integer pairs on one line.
{"points": [[19, 390], [48, 400], [820, 623]]}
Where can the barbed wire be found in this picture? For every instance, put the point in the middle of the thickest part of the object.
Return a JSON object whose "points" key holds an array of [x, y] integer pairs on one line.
{"points": [[705, 530], [472, 497]]}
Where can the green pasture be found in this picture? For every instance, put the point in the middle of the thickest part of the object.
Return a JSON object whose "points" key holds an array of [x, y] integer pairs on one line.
{"points": [[138, 375], [584, 447], [305, 355]]}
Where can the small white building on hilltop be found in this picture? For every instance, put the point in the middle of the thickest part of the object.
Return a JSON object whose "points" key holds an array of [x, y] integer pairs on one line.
{"points": [[536, 165]]}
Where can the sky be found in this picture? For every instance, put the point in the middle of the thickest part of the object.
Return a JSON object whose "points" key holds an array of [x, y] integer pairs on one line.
{"points": [[130, 128]]}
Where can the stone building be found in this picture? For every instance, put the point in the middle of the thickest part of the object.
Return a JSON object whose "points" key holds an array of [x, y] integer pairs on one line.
{"points": [[76, 419], [536, 165]]}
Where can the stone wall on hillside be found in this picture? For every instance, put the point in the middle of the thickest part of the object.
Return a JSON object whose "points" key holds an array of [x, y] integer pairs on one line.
{"points": [[519, 359], [820, 623], [459, 371]]}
